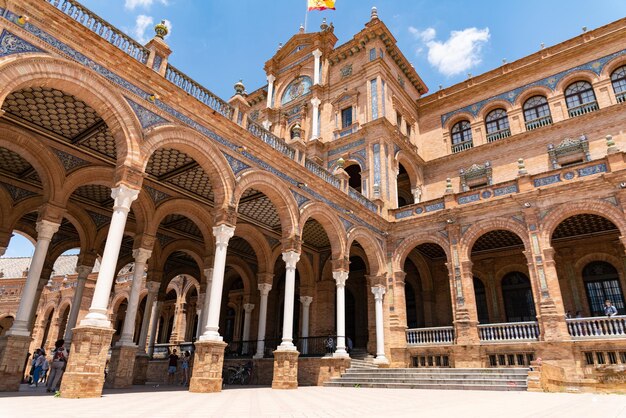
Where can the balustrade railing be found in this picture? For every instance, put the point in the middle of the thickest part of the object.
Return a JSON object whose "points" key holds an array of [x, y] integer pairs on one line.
{"points": [[322, 173], [582, 109], [621, 97], [270, 139], [597, 327], [510, 331], [538, 123], [434, 335], [100, 27], [462, 146], [494, 136]]}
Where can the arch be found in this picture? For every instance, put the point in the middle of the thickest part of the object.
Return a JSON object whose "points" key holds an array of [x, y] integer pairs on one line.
{"points": [[579, 75], [331, 224], [192, 249], [531, 92], [243, 270], [258, 242], [480, 228], [612, 65], [458, 117], [593, 207], [413, 241], [493, 105], [411, 168], [99, 175], [277, 191], [34, 70], [203, 151], [582, 262], [195, 211], [298, 87], [372, 249]]}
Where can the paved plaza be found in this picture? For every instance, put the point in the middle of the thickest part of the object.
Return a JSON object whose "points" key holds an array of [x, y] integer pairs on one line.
{"points": [[163, 401]]}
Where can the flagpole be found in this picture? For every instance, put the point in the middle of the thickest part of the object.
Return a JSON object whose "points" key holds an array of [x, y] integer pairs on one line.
{"points": [[306, 14]]}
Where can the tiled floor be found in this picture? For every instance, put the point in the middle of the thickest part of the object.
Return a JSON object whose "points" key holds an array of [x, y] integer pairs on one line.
{"points": [[155, 402]]}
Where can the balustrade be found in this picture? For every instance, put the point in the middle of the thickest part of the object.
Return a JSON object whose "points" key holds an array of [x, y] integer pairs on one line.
{"points": [[582, 109], [510, 331], [434, 335], [462, 146], [597, 327], [538, 123], [494, 136]]}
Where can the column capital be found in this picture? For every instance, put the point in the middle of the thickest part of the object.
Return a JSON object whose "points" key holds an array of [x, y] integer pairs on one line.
{"points": [[153, 287], [375, 280], [378, 292], [141, 255], [340, 277], [265, 278], [208, 274], [291, 258], [248, 307], [123, 197], [306, 301], [264, 288], [46, 229], [315, 101], [223, 233], [317, 53], [271, 78], [341, 264], [83, 272]]}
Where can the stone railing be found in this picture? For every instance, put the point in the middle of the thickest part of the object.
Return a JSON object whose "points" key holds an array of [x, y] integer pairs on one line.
{"points": [[494, 136], [621, 97], [358, 196], [195, 89], [100, 27], [510, 331], [434, 335], [462, 146], [322, 173], [597, 327], [538, 123], [582, 109]]}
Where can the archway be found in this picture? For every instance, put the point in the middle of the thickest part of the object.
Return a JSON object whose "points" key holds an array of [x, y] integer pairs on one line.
{"points": [[518, 298]]}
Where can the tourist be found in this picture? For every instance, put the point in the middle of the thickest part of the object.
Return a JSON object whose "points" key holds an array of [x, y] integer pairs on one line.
{"points": [[568, 315], [38, 365], [185, 366], [609, 309], [330, 345], [579, 314], [59, 360], [171, 368], [348, 345], [44, 370], [32, 367]]}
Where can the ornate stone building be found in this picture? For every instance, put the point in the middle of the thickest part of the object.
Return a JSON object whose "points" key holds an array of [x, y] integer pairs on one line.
{"points": [[455, 229]]}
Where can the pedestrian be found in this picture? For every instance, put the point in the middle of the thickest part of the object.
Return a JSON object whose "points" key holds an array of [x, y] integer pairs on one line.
{"points": [[330, 345], [609, 309], [579, 314], [185, 366], [171, 368], [32, 367], [38, 365], [348, 345], [59, 361], [44, 370], [568, 315]]}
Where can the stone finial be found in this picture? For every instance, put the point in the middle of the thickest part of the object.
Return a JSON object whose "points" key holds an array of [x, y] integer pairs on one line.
{"points": [[280, 45], [610, 145], [376, 189], [297, 130], [341, 162], [324, 25], [374, 15], [449, 186], [301, 30], [161, 29], [521, 167], [239, 87]]}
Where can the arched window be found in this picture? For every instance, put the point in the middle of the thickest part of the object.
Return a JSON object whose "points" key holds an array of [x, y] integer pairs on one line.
{"points": [[602, 283], [518, 298], [537, 112], [497, 124], [481, 301], [411, 305], [618, 79], [354, 171], [461, 136], [580, 99]]}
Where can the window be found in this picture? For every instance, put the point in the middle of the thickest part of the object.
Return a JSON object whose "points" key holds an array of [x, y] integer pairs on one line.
{"points": [[408, 130], [461, 136], [481, 301], [580, 98], [618, 79], [372, 54], [497, 123], [518, 298], [346, 117], [374, 94], [537, 112], [602, 283], [399, 120]]}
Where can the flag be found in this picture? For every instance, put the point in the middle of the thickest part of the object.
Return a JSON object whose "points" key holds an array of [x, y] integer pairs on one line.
{"points": [[321, 5]]}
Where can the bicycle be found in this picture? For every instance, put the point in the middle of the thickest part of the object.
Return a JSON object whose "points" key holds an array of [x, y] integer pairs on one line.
{"points": [[241, 374]]}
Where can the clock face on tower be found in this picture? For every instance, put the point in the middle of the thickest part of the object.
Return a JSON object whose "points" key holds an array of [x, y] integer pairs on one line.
{"points": [[297, 88]]}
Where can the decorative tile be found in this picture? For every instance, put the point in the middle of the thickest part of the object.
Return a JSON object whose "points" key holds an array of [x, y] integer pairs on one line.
{"points": [[594, 169], [11, 44], [346, 147], [273, 242], [98, 219], [501, 191], [346, 224], [435, 206], [301, 200], [569, 175], [157, 62], [486, 194], [419, 210], [69, 161], [376, 149], [468, 199], [612, 200], [544, 181], [146, 117], [236, 165], [157, 196], [518, 218], [164, 239], [17, 193], [404, 214]]}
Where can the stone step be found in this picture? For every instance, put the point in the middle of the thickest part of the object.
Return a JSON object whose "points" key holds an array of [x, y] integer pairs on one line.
{"points": [[451, 381], [497, 387], [490, 372]]}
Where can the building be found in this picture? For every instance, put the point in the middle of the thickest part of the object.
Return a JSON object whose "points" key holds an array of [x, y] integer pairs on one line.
{"points": [[454, 229]]}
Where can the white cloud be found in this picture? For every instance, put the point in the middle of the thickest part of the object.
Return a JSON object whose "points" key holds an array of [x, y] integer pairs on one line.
{"points": [[460, 52], [142, 23], [133, 4]]}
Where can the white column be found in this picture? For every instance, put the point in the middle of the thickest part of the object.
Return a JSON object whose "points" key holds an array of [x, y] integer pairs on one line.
{"points": [[97, 315], [153, 290], [306, 304], [270, 89], [222, 233], [45, 231], [156, 312], [199, 307], [264, 288], [83, 272], [291, 259], [208, 274], [315, 127], [141, 256], [247, 308], [316, 66], [340, 280], [378, 292]]}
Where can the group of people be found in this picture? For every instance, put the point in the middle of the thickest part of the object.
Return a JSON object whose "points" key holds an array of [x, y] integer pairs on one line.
{"points": [[41, 365], [609, 310], [172, 367]]}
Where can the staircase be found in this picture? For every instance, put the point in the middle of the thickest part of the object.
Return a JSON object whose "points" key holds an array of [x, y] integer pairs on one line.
{"points": [[365, 376], [360, 360]]}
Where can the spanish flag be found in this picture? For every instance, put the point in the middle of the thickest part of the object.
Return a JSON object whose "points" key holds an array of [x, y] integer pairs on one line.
{"points": [[321, 5]]}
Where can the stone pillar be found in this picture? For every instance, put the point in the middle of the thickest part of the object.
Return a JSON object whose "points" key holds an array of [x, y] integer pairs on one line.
{"points": [[306, 304], [340, 280], [378, 292], [207, 367], [141, 256], [315, 127], [316, 66], [291, 259], [285, 369], [270, 90], [156, 312], [264, 289], [208, 274], [83, 273], [199, 310], [84, 375], [247, 308], [222, 233], [153, 289]]}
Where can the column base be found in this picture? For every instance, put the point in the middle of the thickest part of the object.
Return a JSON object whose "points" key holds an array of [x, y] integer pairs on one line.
{"points": [[13, 352], [84, 374], [140, 375], [285, 369], [381, 360], [121, 367], [341, 354], [207, 367]]}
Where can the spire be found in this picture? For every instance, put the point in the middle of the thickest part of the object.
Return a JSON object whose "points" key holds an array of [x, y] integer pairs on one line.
{"points": [[301, 30], [324, 25], [161, 29], [374, 15]]}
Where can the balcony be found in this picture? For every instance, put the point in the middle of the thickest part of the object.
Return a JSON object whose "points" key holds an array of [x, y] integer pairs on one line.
{"points": [[538, 123], [510, 331], [461, 146], [583, 109], [495, 136], [621, 97], [435, 335], [597, 327]]}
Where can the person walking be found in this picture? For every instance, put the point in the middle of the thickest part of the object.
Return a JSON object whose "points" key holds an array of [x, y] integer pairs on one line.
{"points": [[185, 366], [59, 360], [44, 370], [171, 368], [609, 309], [38, 365]]}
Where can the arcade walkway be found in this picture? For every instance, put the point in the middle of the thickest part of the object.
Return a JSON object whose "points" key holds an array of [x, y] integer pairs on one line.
{"points": [[318, 402]]}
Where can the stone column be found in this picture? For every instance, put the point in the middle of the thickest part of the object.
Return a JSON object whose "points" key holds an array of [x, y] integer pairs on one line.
{"points": [[316, 66], [315, 127], [199, 307], [306, 304], [141, 256], [156, 312], [83, 273], [291, 259], [209, 354], [247, 308], [264, 289], [378, 292], [84, 376], [153, 289], [270, 90], [208, 274], [340, 280]]}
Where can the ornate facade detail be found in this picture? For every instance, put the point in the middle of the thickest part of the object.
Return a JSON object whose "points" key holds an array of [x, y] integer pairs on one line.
{"points": [[146, 117]]}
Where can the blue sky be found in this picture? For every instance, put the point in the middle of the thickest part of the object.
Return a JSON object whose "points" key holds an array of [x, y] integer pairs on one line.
{"points": [[220, 42]]}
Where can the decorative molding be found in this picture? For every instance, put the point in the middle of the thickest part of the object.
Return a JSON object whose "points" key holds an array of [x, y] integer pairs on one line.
{"points": [[346, 224], [98, 219], [301, 200], [544, 181], [17, 193], [236, 165], [12, 44], [592, 169], [69, 161], [157, 196], [146, 117], [468, 198], [164, 239], [346, 147]]}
